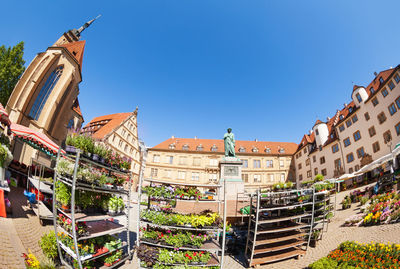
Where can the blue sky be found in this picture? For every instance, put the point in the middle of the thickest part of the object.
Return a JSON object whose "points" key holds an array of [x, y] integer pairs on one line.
{"points": [[267, 69]]}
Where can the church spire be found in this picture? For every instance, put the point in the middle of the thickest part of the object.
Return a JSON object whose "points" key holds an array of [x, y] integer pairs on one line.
{"points": [[86, 25]]}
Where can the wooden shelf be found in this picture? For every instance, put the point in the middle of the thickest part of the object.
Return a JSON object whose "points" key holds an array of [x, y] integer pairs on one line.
{"points": [[80, 217], [284, 229], [277, 257], [274, 220], [207, 246], [280, 246], [279, 238]]}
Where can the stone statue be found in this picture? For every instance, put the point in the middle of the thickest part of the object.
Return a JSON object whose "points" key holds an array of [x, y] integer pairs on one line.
{"points": [[229, 143]]}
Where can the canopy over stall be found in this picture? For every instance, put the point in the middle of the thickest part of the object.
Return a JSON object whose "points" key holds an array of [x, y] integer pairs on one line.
{"points": [[35, 139], [4, 116], [374, 164]]}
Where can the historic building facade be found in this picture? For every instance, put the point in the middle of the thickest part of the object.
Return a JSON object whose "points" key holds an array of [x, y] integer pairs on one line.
{"points": [[46, 96], [119, 132], [193, 160], [366, 128]]}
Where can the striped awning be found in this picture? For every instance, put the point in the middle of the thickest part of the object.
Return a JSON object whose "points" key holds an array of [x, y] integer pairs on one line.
{"points": [[4, 116], [36, 139]]}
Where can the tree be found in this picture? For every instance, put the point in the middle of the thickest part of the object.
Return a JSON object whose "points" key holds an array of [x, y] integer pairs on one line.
{"points": [[11, 69]]}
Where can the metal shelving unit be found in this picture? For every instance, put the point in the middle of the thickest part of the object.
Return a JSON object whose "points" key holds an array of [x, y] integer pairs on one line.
{"points": [[277, 230], [97, 224], [215, 247]]}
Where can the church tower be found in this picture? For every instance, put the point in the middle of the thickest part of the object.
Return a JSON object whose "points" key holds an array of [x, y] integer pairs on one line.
{"points": [[46, 96]]}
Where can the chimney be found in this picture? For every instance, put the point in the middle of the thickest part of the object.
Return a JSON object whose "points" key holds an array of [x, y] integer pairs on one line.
{"points": [[376, 74], [256, 140], [195, 137], [172, 137]]}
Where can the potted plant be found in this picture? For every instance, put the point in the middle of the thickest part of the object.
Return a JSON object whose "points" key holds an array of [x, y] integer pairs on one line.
{"points": [[70, 145], [63, 195]]}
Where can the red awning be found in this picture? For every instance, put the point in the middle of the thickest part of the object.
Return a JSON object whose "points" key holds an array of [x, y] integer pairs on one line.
{"points": [[4, 116], [35, 138]]}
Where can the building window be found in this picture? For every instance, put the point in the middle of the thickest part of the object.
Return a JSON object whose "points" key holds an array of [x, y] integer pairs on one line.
{"points": [[156, 158], [131, 150], [316, 132], [372, 90], [381, 80], [171, 146], [392, 109], [305, 150], [359, 97], [120, 144], [398, 102], [309, 173], [245, 178], [242, 149], [168, 173], [182, 160], [348, 123], [181, 175], [170, 159], [199, 148], [269, 163], [347, 142], [300, 177], [320, 147], [245, 163], [391, 85], [341, 117], [256, 164], [123, 132], [282, 177], [371, 131], [375, 147], [397, 78], [338, 163], [254, 149], [267, 150], [44, 93], [128, 137], [387, 137], [153, 172], [195, 176], [214, 148], [341, 128], [397, 127], [196, 161], [271, 177], [126, 148], [281, 150], [357, 136], [360, 152], [257, 178], [322, 160], [384, 92], [375, 101], [356, 168], [214, 162], [323, 172], [335, 148], [315, 171], [212, 178], [307, 162], [350, 157], [185, 147], [299, 166], [366, 115], [350, 170], [381, 117], [314, 158], [281, 163], [354, 118]]}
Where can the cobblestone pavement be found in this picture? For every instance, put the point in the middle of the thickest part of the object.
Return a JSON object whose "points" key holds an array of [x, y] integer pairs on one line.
{"points": [[22, 232]]}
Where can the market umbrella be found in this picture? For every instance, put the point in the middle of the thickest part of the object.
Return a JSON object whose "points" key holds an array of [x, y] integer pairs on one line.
{"points": [[346, 176], [36, 139], [4, 116]]}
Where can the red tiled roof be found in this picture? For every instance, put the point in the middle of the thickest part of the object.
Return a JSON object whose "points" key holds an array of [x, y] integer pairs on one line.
{"points": [[76, 49], [317, 122], [376, 83], [101, 126], [77, 108], [193, 143]]}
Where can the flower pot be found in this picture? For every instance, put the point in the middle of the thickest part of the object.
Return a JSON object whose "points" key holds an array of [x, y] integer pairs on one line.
{"points": [[95, 157], [71, 150], [66, 208]]}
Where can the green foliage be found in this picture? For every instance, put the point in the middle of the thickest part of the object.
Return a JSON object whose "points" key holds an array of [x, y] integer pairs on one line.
{"points": [[318, 178], [63, 193], [3, 155], [48, 243], [11, 69], [324, 263]]}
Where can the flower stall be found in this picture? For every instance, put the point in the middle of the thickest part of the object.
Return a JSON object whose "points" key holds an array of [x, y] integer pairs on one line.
{"points": [[169, 238]]}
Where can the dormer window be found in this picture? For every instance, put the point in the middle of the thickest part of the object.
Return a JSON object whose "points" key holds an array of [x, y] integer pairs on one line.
{"points": [[381, 80], [200, 147], [214, 148], [341, 117], [242, 149], [171, 146], [254, 149], [185, 147], [281, 150], [372, 90], [267, 150], [350, 109]]}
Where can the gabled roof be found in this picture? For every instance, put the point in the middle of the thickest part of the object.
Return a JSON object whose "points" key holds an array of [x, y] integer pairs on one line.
{"points": [[100, 127], [77, 108], [207, 144], [76, 49], [376, 84]]}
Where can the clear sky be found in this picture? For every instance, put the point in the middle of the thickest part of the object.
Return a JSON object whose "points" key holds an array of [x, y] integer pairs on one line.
{"points": [[267, 69]]}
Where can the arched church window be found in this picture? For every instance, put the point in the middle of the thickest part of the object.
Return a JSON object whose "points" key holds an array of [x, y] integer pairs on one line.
{"points": [[45, 92]]}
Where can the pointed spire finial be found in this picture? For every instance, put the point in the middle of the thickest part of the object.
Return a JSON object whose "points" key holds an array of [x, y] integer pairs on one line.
{"points": [[86, 25]]}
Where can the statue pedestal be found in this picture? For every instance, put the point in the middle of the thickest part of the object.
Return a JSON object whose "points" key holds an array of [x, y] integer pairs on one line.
{"points": [[231, 177]]}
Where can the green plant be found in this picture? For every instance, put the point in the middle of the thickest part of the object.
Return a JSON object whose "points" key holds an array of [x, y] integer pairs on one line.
{"points": [[48, 243], [363, 200], [324, 263], [63, 193], [318, 178]]}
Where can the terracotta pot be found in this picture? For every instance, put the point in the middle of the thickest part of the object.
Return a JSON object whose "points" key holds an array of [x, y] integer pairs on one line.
{"points": [[66, 208]]}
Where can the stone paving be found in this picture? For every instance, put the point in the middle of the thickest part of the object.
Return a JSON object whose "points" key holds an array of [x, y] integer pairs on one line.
{"points": [[22, 232]]}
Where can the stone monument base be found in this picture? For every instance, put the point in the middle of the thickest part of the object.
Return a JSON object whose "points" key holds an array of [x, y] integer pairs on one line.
{"points": [[231, 177]]}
